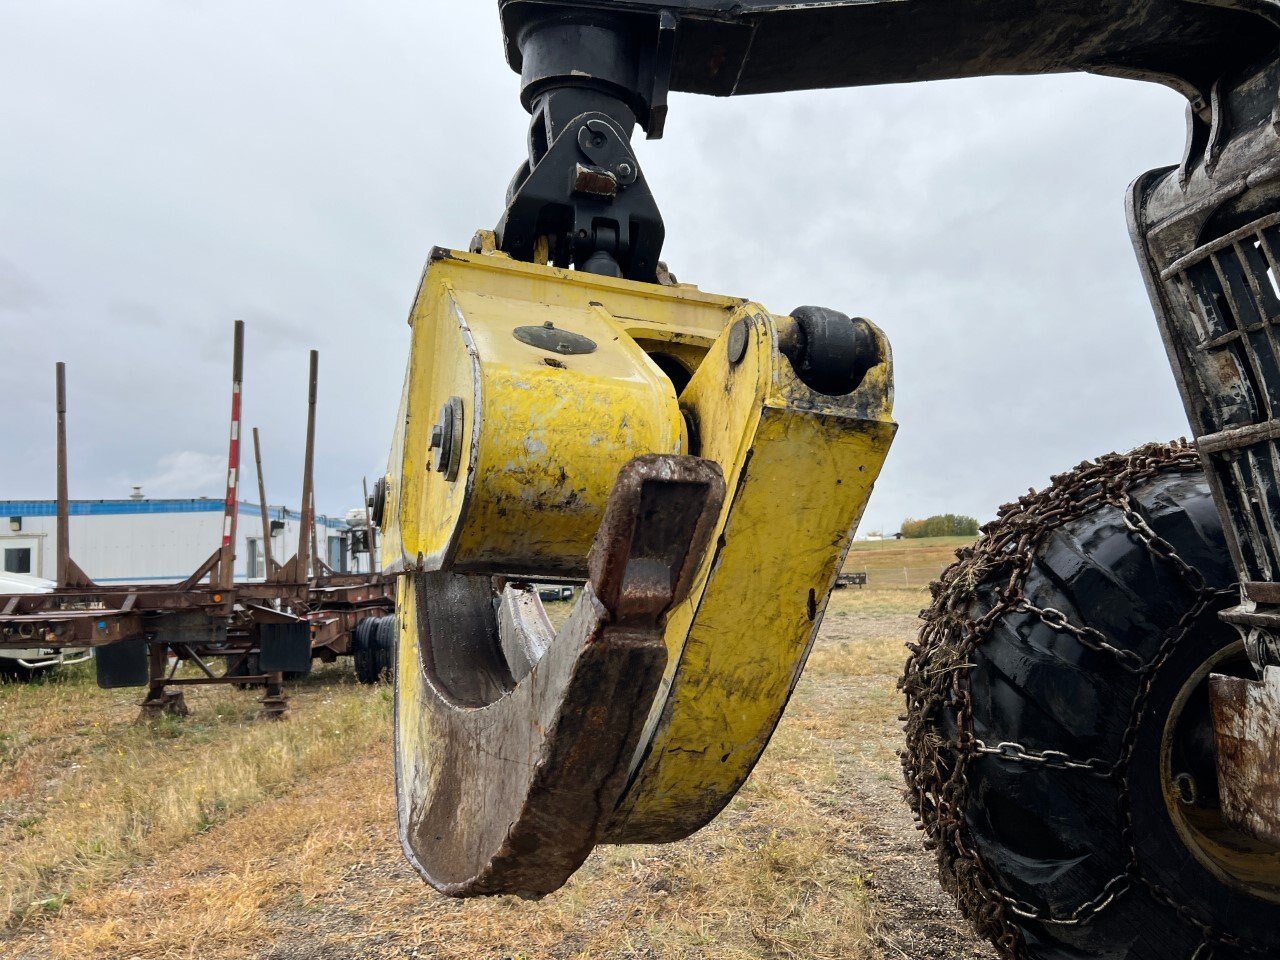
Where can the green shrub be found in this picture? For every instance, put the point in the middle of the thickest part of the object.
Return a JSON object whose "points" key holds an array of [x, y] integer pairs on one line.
{"points": [[944, 525]]}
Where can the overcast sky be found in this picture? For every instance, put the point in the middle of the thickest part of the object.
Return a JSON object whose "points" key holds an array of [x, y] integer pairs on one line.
{"points": [[171, 166]]}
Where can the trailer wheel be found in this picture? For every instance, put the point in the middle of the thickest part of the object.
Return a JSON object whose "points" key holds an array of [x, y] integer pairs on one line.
{"points": [[384, 656], [373, 649], [13, 672], [1059, 749], [361, 650], [243, 666]]}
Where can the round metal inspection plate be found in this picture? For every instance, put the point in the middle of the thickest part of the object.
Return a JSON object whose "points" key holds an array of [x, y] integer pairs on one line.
{"points": [[551, 338]]}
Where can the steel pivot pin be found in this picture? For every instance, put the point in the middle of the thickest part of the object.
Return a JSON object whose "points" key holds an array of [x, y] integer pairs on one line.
{"points": [[446, 440]]}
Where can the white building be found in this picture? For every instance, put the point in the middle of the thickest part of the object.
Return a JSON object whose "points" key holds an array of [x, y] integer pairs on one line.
{"points": [[155, 541]]}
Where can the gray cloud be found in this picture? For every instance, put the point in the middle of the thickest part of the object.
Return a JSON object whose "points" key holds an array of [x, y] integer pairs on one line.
{"points": [[184, 473], [172, 168], [136, 313], [18, 292]]}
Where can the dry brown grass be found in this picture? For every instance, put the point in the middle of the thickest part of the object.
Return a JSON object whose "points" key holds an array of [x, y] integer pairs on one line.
{"points": [[759, 885], [87, 793], [904, 564], [307, 866]]}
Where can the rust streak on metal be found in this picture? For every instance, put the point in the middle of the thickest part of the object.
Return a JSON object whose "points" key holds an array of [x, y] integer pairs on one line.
{"points": [[69, 575], [307, 533], [64, 505], [1246, 722]]}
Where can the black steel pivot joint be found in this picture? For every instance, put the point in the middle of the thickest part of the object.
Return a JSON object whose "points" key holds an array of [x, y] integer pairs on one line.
{"points": [[587, 80]]}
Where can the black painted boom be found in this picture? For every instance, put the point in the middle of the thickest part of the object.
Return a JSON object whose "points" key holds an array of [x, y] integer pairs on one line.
{"points": [[756, 46]]}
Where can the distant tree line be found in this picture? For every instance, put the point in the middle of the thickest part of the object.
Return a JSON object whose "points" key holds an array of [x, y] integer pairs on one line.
{"points": [[945, 525]]}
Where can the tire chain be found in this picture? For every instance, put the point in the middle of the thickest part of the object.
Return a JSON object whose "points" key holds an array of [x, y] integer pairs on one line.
{"points": [[1050, 759], [936, 681]]}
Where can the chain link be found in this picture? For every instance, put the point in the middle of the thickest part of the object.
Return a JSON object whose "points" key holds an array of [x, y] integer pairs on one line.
{"points": [[1094, 640], [1115, 888], [936, 684], [1051, 759]]}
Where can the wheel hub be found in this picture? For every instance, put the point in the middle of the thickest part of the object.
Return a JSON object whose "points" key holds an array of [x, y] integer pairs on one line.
{"points": [[1192, 792]]}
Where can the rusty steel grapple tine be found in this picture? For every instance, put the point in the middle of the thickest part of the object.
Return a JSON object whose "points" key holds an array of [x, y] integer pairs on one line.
{"points": [[506, 784]]}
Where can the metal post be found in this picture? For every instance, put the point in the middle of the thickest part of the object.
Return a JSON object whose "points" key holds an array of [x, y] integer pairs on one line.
{"points": [[307, 534], [372, 536], [64, 504], [231, 510], [268, 564], [158, 668], [319, 561]]}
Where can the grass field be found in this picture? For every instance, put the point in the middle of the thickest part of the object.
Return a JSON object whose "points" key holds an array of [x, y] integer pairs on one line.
{"points": [[219, 836], [86, 793], [906, 564]]}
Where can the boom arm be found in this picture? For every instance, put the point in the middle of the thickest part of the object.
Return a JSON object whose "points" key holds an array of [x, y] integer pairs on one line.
{"points": [[617, 59], [726, 48]]}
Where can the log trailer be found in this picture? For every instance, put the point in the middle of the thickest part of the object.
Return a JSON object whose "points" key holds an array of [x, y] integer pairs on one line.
{"points": [[1093, 725], [248, 634]]}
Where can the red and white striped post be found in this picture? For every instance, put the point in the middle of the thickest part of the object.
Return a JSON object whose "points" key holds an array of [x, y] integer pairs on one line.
{"points": [[231, 509]]}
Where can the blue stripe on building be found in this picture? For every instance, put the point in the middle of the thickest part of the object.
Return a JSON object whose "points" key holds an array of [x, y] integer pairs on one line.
{"points": [[118, 508]]}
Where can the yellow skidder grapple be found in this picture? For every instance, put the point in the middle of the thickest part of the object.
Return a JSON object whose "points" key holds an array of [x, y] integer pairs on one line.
{"points": [[541, 439], [1093, 708]]}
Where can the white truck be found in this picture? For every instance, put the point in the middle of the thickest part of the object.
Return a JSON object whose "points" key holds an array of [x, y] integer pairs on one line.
{"points": [[24, 664]]}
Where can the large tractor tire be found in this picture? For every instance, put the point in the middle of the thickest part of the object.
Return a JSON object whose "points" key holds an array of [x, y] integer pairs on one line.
{"points": [[1059, 748]]}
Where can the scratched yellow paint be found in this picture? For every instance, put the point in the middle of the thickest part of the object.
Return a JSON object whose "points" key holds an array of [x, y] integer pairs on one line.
{"points": [[553, 437], [799, 468], [550, 439], [544, 435]]}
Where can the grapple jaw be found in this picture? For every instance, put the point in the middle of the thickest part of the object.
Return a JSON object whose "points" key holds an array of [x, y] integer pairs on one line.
{"points": [[667, 450], [505, 785]]}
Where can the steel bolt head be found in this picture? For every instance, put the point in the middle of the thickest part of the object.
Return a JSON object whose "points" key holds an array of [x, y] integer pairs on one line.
{"points": [[442, 441]]}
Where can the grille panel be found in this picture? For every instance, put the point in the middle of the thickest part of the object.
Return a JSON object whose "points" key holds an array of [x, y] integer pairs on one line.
{"points": [[1226, 300]]}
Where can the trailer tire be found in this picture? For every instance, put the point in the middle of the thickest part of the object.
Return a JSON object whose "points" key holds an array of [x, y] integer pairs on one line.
{"points": [[247, 666], [385, 648], [1057, 687], [13, 672], [372, 649], [362, 652]]}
